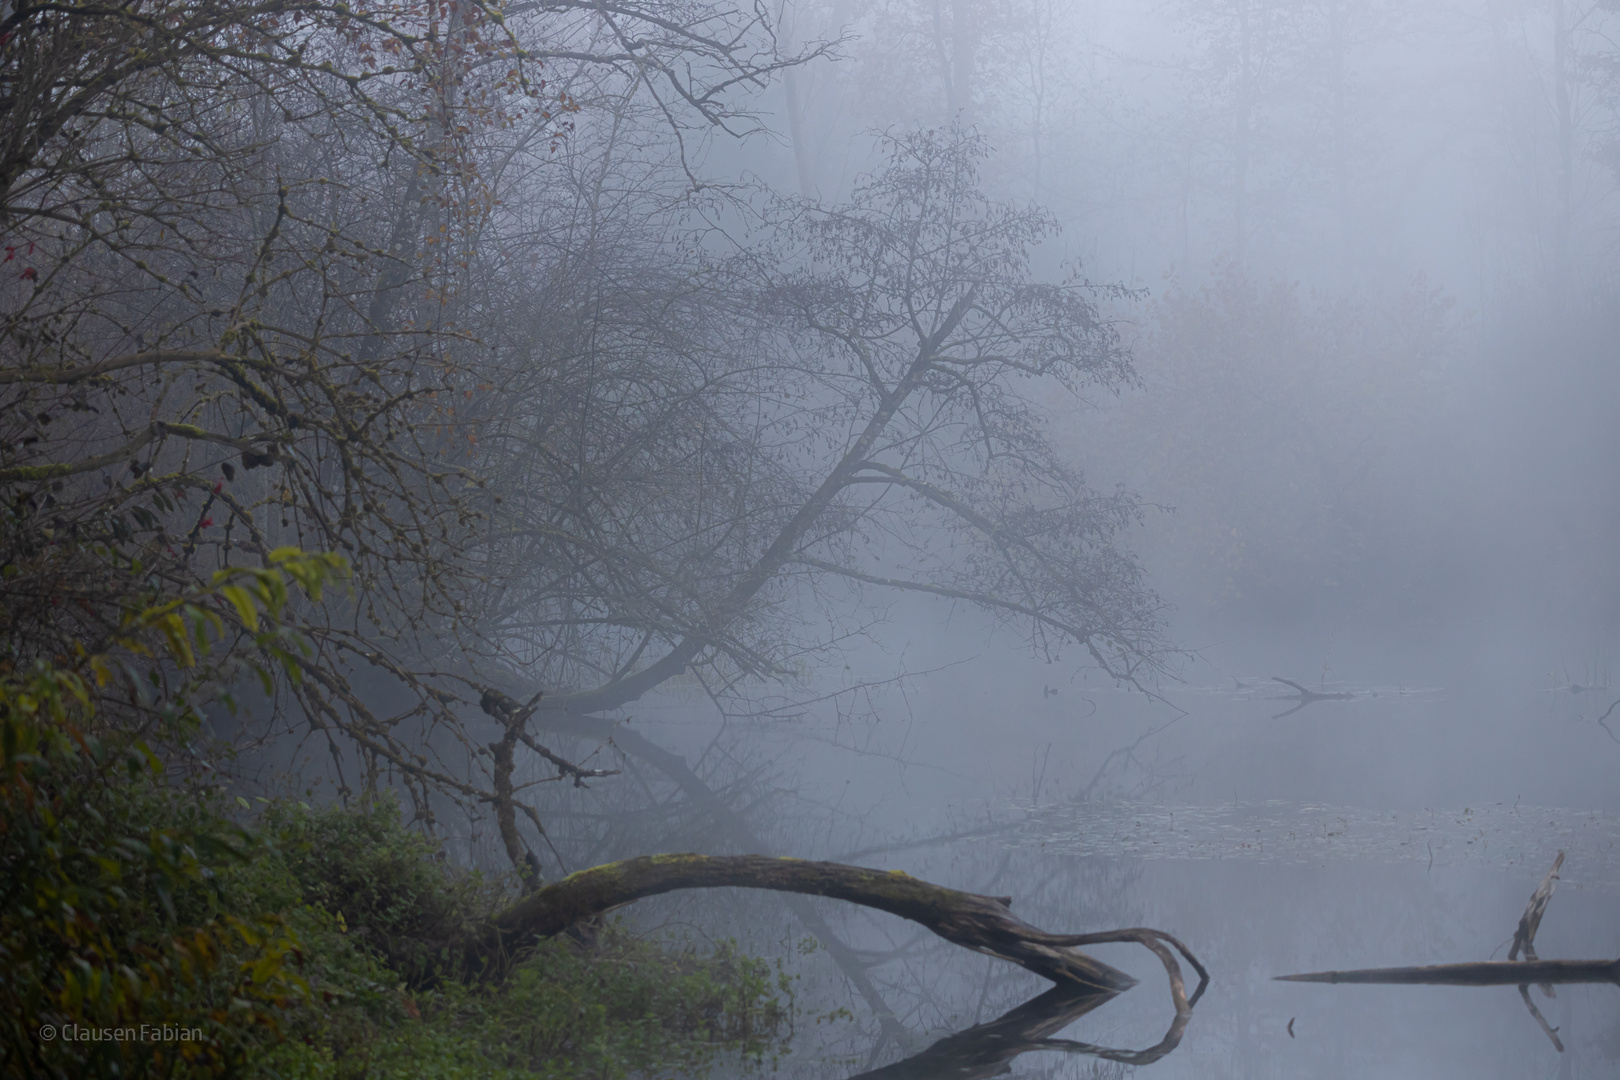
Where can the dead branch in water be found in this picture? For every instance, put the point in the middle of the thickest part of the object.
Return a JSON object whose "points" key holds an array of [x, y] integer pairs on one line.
{"points": [[1509, 972], [981, 923], [1601, 720], [1480, 973], [1306, 697]]}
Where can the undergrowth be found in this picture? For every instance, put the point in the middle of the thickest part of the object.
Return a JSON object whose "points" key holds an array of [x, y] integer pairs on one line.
{"points": [[301, 944], [621, 1006], [304, 944]]}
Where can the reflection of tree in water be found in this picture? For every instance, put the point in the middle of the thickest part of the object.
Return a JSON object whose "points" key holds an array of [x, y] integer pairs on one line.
{"points": [[988, 1049], [749, 789], [926, 986], [933, 988]]}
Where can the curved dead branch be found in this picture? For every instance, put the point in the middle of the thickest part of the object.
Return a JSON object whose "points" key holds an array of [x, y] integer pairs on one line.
{"points": [[981, 923]]}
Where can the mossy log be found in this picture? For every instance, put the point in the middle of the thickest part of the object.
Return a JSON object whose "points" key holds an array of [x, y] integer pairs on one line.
{"points": [[982, 923], [736, 832]]}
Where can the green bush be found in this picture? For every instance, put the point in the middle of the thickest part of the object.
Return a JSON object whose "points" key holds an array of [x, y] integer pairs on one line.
{"points": [[385, 884], [306, 946], [111, 910], [313, 945], [622, 1006]]}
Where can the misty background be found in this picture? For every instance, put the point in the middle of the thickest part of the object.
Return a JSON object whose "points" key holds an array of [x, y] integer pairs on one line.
{"points": [[1154, 460], [1376, 244], [1371, 249], [1371, 254]]}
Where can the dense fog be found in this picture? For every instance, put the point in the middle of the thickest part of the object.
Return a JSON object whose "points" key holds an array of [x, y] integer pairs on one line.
{"points": [[949, 436], [1375, 248]]}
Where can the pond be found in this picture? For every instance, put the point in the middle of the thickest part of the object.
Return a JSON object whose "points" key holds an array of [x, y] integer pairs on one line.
{"points": [[1403, 829]]}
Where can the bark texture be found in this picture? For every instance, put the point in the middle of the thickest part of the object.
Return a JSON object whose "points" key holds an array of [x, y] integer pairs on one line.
{"points": [[982, 923]]}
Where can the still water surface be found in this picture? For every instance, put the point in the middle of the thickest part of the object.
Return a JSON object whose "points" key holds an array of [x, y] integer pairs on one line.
{"points": [[1260, 887]]}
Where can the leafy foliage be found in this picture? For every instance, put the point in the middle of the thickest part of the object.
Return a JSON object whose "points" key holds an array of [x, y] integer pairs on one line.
{"points": [[112, 916], [385, 884], [291, 949]]}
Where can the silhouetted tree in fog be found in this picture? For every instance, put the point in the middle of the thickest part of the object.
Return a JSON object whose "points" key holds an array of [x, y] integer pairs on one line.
{"points": [[835, 406]]}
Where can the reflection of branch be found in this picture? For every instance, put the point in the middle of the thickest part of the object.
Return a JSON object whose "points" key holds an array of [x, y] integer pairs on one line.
{"points": [[1552, 1032], [1605, 716], [926, 841], [1126, 752], [1306, 697], [987, 1049]]}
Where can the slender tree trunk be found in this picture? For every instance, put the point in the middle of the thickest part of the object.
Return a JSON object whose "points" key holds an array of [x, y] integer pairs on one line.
{"points": [[964, 53], [1341, 163], [1562, 77], [803, 162], [1242, 133]]}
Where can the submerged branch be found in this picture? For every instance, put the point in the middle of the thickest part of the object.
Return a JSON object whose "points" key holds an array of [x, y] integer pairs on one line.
{"points": [[1480, 973], [1509, 972]]}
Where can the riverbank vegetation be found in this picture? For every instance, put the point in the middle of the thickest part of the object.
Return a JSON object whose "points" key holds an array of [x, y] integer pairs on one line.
{"points": [[378, 378], [153, 931]]}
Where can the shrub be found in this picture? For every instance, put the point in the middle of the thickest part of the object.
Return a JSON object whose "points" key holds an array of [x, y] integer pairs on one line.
{"points": [[111, 913], [383, 1008]]}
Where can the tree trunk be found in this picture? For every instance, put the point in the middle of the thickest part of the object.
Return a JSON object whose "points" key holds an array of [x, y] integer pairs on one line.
{"points": [[982, 923], [727, 821]]}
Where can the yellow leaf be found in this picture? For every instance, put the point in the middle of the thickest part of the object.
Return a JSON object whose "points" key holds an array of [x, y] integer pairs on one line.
{"points": [[101, 670], [174, 632], [242, 600]]}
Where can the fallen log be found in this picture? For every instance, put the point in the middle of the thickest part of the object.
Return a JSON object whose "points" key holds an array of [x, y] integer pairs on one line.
{"points": [[737, 832], [982, 923], [1510, 972], [1481, 973]]}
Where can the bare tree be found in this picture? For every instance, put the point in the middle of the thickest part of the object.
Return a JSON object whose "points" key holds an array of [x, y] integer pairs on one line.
{"points": [[243, 317], [833, 407]]}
